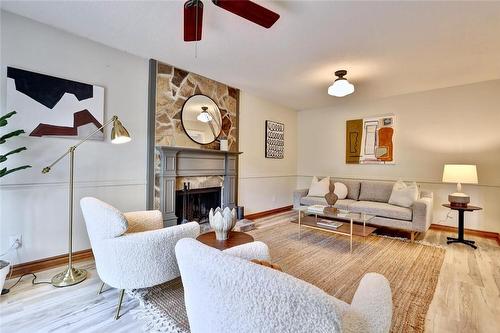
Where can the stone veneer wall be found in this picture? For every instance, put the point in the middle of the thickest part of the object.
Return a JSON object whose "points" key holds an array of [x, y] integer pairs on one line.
{"points": [[199, 182], [173, 87]]}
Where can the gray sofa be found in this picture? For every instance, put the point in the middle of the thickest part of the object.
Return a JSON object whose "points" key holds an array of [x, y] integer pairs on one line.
{"points": [[372, 197]]}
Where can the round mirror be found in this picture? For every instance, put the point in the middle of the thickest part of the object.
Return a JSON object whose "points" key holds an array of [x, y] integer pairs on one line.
{"points": [[201, 119]]}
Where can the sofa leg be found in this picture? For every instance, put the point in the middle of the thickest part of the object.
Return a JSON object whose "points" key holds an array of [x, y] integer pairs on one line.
{"points": [[412, 236], [117, 315]]}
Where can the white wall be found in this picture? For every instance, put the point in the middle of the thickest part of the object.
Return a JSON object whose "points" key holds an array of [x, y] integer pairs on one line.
{"points": [[451, 125], [265, 183], [35, 205]]}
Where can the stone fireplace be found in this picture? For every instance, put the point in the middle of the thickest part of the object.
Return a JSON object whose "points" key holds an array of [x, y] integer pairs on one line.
{"points": [[211, 174]]}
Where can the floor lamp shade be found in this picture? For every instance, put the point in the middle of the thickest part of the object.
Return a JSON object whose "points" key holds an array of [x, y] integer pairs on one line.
{"points": [[459, 174], [72, 275], [119, 134]]}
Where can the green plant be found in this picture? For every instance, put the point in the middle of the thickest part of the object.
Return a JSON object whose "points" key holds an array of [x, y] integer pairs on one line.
{"points": [[3, 139]]}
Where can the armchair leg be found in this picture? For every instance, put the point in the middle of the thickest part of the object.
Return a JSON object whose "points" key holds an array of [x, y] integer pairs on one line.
{"points": [[117, 315], [412, 236], [100, 289]]}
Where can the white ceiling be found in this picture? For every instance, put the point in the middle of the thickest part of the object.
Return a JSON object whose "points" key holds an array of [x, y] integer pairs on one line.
{"points": [[388, 48]]}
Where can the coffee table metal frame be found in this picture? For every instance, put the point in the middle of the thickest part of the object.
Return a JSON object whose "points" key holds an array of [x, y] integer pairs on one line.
{"points": [[349, 217]]}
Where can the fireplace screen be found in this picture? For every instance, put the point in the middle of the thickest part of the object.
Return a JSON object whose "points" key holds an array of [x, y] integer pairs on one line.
{"points": [[194, 204]]}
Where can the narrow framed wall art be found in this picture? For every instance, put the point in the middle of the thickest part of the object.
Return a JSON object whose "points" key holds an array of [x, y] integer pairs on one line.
{"points": [[275, 139]]}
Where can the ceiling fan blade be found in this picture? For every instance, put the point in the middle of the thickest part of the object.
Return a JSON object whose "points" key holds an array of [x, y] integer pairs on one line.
{"points": [[193, 19], [250, 11]]}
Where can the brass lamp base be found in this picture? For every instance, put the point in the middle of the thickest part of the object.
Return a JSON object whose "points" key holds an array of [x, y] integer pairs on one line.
{"points": [[69, 277]]}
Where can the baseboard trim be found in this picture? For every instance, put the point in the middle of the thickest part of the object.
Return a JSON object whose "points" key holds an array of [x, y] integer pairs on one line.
{"points": [[479, 233], [51, 262], [270, 212]]}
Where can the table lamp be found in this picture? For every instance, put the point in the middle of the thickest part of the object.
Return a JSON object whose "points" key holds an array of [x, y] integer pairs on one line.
{"points": [[459, 173], [72, 275]]}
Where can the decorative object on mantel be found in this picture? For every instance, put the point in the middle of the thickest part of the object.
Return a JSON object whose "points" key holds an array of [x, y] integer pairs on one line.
{"points": [[275, 139], [459, 173], [341, 87], [222, 221], [51, 106], [370, 140], [201, 119], [71, 275], [224, 144]]}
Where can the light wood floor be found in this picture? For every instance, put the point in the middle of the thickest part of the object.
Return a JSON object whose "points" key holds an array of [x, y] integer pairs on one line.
{"points": [[467, 297]]}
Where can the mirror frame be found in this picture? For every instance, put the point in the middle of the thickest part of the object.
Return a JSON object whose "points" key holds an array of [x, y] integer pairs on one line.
{"points": [[184, 128]]}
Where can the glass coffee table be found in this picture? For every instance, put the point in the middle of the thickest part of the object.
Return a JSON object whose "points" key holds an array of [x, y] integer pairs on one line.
{"points": [[350, 223]]}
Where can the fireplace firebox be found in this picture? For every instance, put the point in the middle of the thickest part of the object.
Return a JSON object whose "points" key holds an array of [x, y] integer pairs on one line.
{"points": [[194, 204]]}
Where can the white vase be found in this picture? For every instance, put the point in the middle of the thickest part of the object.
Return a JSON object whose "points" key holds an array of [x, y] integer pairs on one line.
{"points": [[4, 270], [222, 221]]}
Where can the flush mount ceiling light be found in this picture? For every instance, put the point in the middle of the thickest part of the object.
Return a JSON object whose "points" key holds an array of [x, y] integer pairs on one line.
{"points": [[204, 116], [341, 87]]}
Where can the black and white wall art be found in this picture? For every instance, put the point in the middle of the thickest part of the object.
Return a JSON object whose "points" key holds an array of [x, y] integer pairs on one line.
{"points": [[275, 139], [53, 107]]}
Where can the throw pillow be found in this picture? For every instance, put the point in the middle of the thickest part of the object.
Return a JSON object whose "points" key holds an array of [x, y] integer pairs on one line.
{"points": [[319, 188], [404, 195], [340, 190]]}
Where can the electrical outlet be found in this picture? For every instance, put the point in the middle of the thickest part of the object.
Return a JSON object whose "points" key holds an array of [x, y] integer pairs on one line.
{"points": [[16, 241]]}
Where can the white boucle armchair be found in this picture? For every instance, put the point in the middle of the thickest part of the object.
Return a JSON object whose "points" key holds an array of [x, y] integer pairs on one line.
{"points": [[226, 293], [132, 250]]}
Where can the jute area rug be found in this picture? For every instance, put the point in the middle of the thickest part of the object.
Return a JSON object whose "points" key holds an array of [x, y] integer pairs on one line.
{"points": [[323, 259]]}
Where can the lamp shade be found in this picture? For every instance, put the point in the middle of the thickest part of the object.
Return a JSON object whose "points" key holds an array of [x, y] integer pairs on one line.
{"points": [[204, 117], [460, 173], [340, 88], [119, 134]]}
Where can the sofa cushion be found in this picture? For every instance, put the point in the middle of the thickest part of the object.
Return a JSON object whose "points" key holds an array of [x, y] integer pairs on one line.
{"points": [[382, 209], [375, 191], [310, 200], [340, 190], [404, 195], [344, 204], [319, 188], [352, 187]]}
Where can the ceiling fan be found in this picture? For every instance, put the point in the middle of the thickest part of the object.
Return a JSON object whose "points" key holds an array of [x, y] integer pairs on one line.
{"points": [[193, 15]]}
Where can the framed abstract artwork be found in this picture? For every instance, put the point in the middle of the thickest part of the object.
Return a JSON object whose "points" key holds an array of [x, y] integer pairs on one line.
{"points": [[370, 140], [49, 106], [275, 139]]}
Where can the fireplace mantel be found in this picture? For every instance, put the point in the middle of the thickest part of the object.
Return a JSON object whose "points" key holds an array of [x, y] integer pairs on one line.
{"points": [[191, 162]]}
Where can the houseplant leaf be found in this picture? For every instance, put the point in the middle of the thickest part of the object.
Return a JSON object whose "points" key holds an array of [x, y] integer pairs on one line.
{"points": [[3, 158], [10, 135]]}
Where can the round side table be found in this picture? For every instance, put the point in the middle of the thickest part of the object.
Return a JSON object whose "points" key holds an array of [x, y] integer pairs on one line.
{"points": [[461, 211], [235, 238]]}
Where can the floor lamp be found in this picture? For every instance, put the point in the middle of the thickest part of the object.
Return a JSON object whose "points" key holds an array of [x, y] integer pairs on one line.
{"points": [[71, 275]]}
